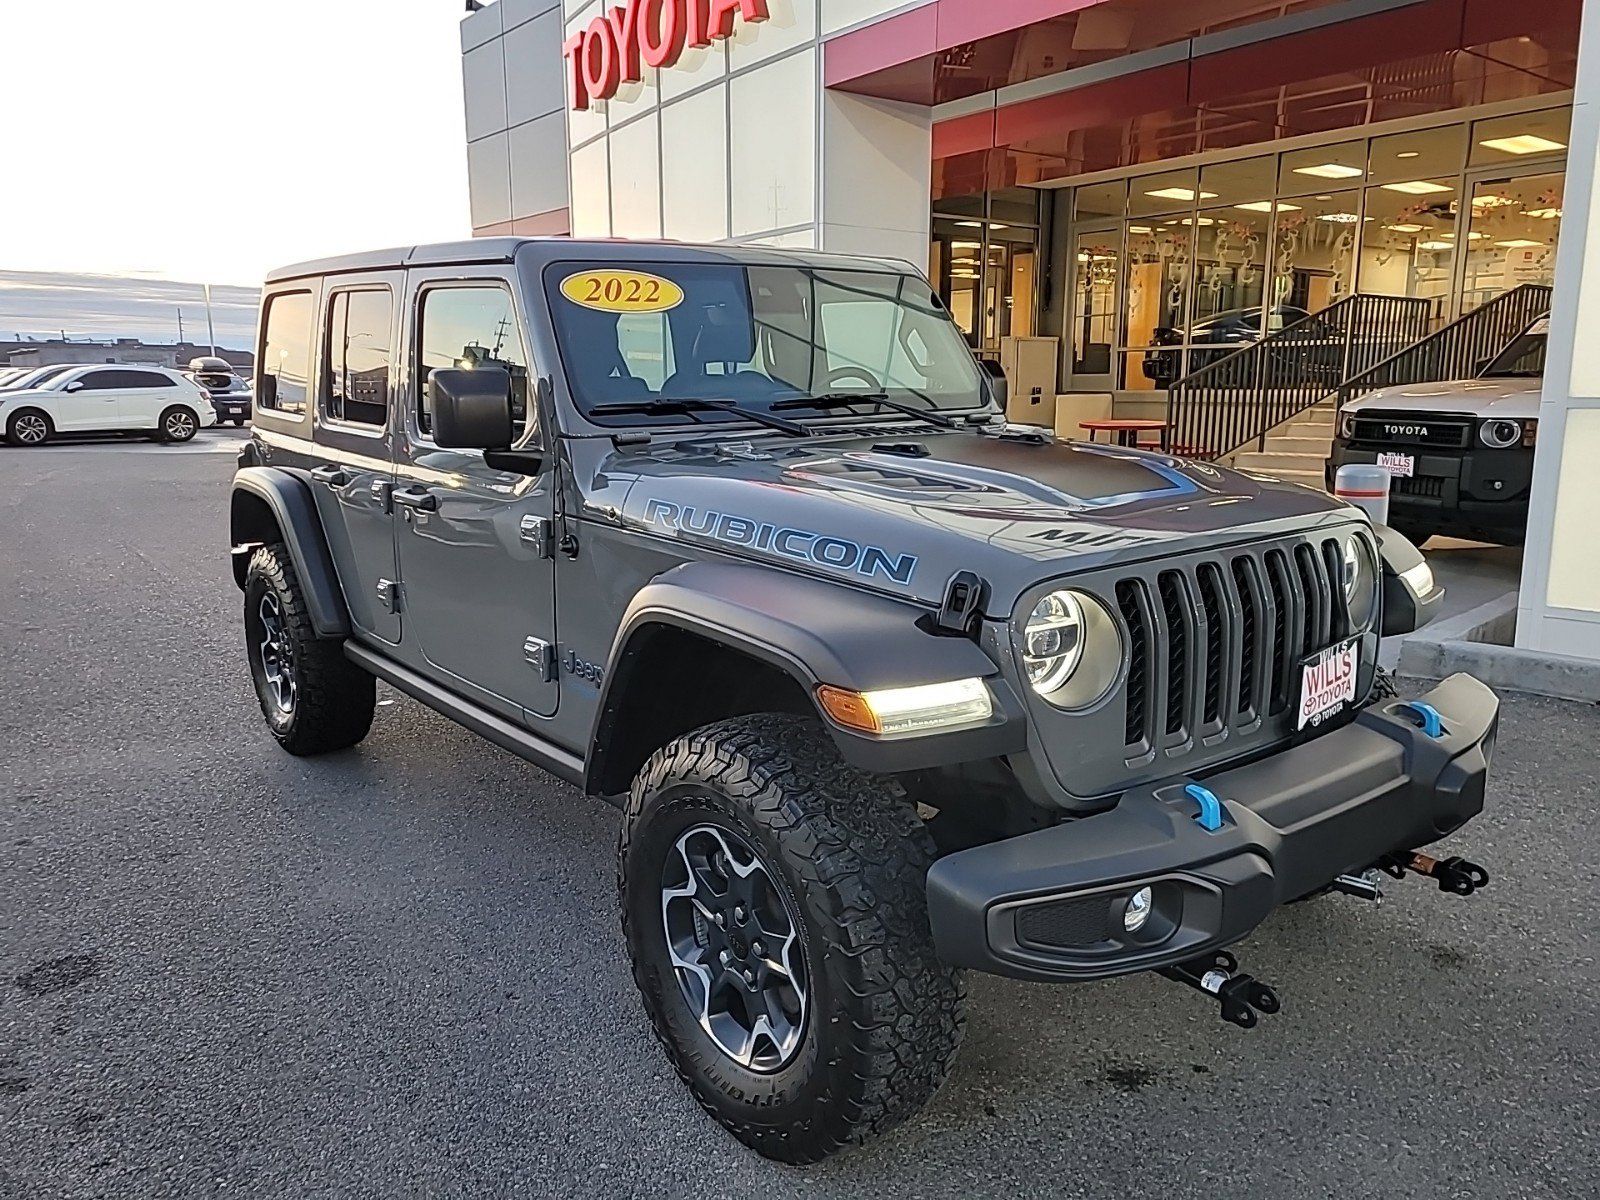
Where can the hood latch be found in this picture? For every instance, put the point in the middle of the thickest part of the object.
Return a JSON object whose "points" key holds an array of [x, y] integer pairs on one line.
{"points": [[962, 605]]}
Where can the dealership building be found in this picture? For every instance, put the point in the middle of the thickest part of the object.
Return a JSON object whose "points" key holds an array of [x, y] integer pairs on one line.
{"points": [[1114, 196]]}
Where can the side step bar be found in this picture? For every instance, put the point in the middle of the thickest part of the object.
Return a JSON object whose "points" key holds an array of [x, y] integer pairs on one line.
{"points": [[561, 763]]}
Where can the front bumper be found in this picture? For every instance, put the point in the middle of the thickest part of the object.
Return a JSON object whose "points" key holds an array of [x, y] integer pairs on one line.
{"points": [[1477, 490], [1049, 905]]}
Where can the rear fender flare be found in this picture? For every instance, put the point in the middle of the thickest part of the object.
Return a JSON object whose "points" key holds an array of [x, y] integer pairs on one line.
{"points": [[262, 493]]}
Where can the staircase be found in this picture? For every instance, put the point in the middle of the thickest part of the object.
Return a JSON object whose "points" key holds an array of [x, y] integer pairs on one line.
{"points": [[1297, 450]]}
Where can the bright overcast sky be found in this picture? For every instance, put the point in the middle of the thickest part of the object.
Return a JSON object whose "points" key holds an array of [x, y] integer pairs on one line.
{"points": [[210, 140]]}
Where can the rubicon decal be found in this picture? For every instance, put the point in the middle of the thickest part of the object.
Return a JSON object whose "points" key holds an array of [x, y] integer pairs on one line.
{"points": [[801, 544], [617, 46]]}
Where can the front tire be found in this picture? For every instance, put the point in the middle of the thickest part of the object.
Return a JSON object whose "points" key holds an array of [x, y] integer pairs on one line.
{"points": [[754, 831], [178, 424], [314, 699], [29, 427]]}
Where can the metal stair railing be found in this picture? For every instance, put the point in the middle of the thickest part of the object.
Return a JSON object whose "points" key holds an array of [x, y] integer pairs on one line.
{"points": [[1460, 349], [1235, 400]]}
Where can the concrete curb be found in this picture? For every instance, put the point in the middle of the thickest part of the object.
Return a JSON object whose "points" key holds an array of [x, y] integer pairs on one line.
{"points": [[1476, 642]]}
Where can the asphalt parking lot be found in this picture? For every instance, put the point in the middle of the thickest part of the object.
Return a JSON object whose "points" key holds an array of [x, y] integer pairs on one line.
{"points": [[398, 971]]}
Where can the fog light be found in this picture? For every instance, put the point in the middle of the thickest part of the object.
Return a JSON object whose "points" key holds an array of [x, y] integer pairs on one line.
{"points": [[1137, 912]]}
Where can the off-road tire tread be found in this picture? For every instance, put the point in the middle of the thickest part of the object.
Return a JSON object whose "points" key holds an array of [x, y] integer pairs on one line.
{"points": [[863, 847], [334, 699]]}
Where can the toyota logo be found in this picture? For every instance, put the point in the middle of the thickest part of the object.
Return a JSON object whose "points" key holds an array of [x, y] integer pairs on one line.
{"points": [[1406, 430]]}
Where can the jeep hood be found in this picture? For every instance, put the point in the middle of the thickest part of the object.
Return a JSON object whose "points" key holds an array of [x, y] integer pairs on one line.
{"points": [[1515, 397], [903, 516]]}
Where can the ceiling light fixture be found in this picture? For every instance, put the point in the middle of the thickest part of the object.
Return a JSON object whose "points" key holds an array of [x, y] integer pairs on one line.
{"points": [[1406, 228], [1339, 218], [1331, 170], [1178, 193], [1417, 187], [1518, 244], [1409, 154], [1522, 143], [1268, 206], [1544, 214], [1435, 246]]}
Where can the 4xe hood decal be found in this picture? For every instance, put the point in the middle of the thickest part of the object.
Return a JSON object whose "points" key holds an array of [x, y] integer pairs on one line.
{"points": [[804, 545]]}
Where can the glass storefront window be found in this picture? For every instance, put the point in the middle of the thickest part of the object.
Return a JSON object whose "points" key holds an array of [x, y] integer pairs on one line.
{"points": [[1168, 192], [1231, 258], [1313, 260], [1100, 200], [1408, 246], [954, 262], [1423, 154], [1502, 140], [1322, 168], [1511, 235], [1156, 297], [1248, 182]]}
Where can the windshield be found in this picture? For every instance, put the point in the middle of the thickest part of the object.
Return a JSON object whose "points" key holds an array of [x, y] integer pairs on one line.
{"points": [[754, 335], [1523, 358]]}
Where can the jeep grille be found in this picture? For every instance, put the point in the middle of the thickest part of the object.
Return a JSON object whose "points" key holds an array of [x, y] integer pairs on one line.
{"points": [[1216, 645]]}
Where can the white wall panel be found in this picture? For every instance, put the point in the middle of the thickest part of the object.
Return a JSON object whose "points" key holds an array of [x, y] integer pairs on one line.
{"points": [[695, 69], [789, 23], [636, 179], [535, 70], [489, 179], [694, 167], [774, 145], [483, 84], [839, 14], [591, 191], [887, 143]]}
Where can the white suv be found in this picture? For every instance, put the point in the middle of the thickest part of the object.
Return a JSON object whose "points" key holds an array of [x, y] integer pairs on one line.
{"points": [[107, 398]]}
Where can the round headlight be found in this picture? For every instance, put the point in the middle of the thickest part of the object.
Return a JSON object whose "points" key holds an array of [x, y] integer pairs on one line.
{"points": [[1053, 641], [1500, 433], [1071, 649], [1360, 581], [1347, 425]]}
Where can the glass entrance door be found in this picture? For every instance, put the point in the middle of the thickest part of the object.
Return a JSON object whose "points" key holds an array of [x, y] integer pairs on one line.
{"points": [[1092, 321]]}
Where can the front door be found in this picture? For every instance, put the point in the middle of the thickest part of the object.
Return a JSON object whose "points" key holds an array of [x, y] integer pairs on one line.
{"points": [[476, 559], [90, 401], [354, 475]]}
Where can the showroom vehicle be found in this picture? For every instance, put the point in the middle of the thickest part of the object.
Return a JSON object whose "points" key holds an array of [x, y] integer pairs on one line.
{"points": [[886, 688], [34, 377], [1460, 453], [230, 395], [1212, 338], [153, 401]]}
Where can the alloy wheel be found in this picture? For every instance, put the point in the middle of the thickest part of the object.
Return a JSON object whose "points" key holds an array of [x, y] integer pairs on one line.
{"points": [[31, 429], [733, 939], [180, 426], [277, 653]]}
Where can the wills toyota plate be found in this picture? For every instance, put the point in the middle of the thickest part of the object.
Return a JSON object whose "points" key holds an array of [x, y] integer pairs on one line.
{"points": [[1327, 683]]}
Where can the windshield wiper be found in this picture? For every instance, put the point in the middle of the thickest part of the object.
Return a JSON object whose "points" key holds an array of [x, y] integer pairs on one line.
{"points": [[666, 406], [881, 399]]}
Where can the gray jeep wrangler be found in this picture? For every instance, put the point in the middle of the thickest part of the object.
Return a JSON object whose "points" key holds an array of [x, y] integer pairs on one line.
{"points": [[885, 688]]}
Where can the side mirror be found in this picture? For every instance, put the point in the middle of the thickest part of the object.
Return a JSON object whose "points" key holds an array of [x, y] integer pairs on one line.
{"points": [[999, 388], [471, 409], [1411, 597], [75, 386]]}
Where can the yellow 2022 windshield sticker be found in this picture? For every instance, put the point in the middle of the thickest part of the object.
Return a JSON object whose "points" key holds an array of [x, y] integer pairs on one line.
{"points": [[622, 291]]}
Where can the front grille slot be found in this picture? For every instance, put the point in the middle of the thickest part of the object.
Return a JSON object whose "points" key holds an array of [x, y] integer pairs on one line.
{"points": [[1428, 486], [1179, 613], [1064, 924], [1132, 605], [1219, 652]]}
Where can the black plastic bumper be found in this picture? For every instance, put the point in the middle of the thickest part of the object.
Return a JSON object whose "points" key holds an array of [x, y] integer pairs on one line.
{"points": [[1050, 905]]}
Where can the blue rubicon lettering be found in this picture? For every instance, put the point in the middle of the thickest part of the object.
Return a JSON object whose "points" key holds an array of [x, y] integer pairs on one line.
{"points": [[804, 545]]}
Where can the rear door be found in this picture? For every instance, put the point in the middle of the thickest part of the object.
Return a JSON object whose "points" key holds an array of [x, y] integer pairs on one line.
{"points": [[145, 395], [476, 553], [354, 473]]}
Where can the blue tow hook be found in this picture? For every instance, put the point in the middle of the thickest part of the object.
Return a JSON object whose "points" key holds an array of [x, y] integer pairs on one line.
{"points": [[1432, 722], [1210, 814]]}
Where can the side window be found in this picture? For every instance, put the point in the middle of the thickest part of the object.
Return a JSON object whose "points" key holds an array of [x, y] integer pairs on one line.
{"points": [[286, 354], [357, 385], [470, 327], [146, 379], [99, 381]]}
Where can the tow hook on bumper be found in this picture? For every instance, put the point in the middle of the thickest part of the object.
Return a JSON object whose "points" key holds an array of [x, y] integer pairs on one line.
{"points": [[1242, 996], [1458, 876]]}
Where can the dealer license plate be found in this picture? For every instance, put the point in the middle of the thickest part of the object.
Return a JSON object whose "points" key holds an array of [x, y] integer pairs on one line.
{"points": [[1327, 683], [1399, 464]]}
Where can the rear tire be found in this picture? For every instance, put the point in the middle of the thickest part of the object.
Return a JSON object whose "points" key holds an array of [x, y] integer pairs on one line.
{"points": [[869, 1017], [178, 424], [314, 699], [29, 427]]}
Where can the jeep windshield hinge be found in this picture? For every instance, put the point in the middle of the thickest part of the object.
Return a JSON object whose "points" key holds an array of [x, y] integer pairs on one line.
{"points": [[389, 595], [538, 532], [961, 606]]}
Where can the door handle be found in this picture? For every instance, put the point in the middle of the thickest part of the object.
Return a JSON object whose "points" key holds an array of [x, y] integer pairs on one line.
{"points": [[415, 497], [332, 476]]}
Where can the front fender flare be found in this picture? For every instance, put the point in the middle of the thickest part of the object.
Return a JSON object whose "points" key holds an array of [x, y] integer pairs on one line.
{"points": [[819, 632], [294, 511]]}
